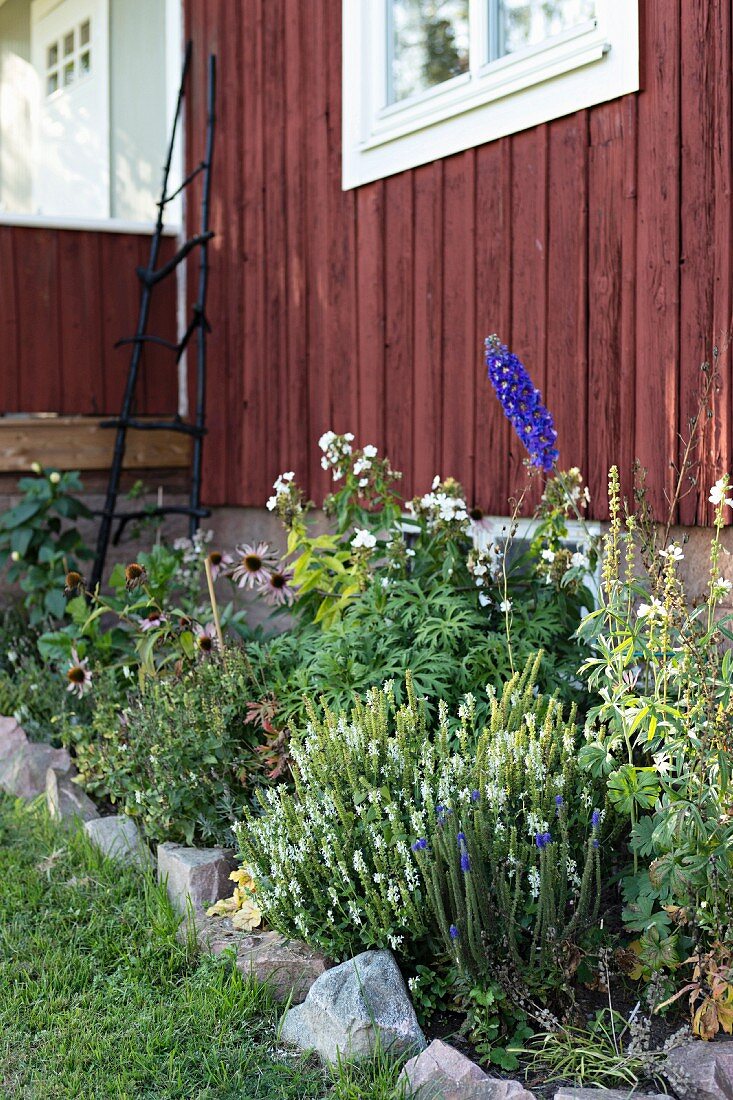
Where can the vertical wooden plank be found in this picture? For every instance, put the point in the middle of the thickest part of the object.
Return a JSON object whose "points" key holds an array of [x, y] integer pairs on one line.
{"points": [[120, 293], [657, 301], [159, 391], [36, 265], [370, 306], [321, 411], [427, 451], [275, 344], [566, 387], [697, 213], [528, 275], [611, 260], [9, 324], [461, 357], [225, 287], [398, 360], [718, 454], [342, 313], [493, 315], [81, 323], [296, 435], [259, 455]]}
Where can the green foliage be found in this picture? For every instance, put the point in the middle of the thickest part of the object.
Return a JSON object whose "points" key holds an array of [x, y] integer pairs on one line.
{"points": [[661, 731], [41, 542], [380, 791], [180, 757], [388, 591], [611, 1052]]}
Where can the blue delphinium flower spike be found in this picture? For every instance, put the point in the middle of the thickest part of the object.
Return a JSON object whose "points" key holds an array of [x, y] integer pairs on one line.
{"points": [[522, 404]]}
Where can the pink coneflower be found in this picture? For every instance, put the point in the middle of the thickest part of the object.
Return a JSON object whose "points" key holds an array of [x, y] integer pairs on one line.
{"points": [[276, 587], [153, 618], [206, 639], [78, 675], [255, 564], [218, 562]]}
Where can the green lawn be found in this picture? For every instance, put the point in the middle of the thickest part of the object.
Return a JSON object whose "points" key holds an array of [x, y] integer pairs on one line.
{"points": [[97, 998]]}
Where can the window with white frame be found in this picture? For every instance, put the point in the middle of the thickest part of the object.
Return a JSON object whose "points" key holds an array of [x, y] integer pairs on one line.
{"points": [[86, 90], [426, 78]]}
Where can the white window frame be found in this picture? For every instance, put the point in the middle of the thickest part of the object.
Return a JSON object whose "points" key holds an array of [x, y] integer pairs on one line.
{"points": [[172, 228], [588, 64]]}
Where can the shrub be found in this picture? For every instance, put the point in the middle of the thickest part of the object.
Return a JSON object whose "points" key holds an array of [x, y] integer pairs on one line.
{"points": [[366, 852], [180, 758], [660, 737], [40, 540], [393, 587]]}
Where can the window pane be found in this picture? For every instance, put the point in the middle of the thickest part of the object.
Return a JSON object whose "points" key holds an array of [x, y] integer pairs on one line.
{"points": [[68, 43], [68, 74], [527, 22], [52, 83], [429, 44], [52, 56], [85, 63], [84, 33]]}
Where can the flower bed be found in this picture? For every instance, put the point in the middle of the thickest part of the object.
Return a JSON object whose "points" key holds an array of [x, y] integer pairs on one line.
{"points": [[466, 751]]}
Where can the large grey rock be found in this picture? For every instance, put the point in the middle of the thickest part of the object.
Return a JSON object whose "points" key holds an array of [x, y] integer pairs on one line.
{"points": [[66, 801], [442, 1073], [702, 1071], [352, 1008], [288, 966], [609, 1094], [24, 763], [198, 874], [119, 838]]}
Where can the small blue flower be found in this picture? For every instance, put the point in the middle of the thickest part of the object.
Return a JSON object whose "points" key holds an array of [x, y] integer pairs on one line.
{"points": [[453, 932], [461, 839], [542, 840], [596, 842], [419, 845], [559, 800], [465, 861], [595, 819], [475, 795], [522, 404]]}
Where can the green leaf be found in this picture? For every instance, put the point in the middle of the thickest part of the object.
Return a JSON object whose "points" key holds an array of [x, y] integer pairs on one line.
{"points": [[19, 515], [629, 787], [21, 540]]}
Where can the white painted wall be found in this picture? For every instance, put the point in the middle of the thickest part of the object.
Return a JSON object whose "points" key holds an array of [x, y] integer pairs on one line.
{"points": [[17, 95], [137, 99], [144, 65]]}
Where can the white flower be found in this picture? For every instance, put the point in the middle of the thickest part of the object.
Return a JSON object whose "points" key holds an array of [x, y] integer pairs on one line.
{"points": [[436, 482], [718, 491], [370, 451], [484, 599], [326, 440], [653, 610], [580, 561], [363, 538], [272, 504], [505, 606], [722, 587], [672, 553], [548, 555]]}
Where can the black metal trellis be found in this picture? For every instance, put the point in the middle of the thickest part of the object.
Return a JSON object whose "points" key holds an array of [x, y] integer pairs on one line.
{"points": [[150, 276]]}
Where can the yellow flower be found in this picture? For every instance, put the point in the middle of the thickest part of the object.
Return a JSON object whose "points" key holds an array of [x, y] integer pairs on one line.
{"points": [[223, 907], [243, 880], [247, 918]]}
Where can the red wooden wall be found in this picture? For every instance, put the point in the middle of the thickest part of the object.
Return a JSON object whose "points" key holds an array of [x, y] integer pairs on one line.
{"points": [[66, 297], [598, 247]]}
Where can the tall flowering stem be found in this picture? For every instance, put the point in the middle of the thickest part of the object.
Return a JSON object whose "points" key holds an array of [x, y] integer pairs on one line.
{"points": [[522, 404]]}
